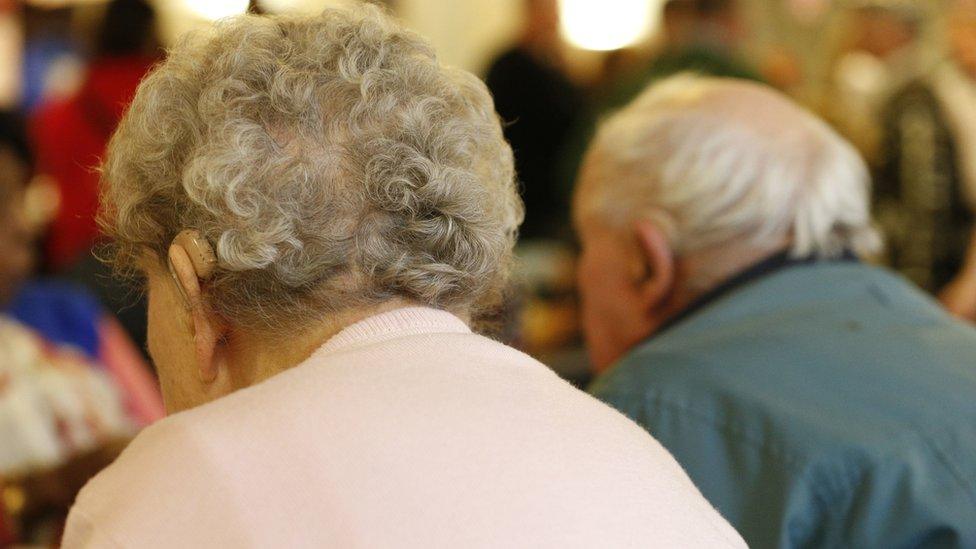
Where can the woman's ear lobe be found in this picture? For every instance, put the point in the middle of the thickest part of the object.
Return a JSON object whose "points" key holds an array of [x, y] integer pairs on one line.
{"points": [[655, 251]]}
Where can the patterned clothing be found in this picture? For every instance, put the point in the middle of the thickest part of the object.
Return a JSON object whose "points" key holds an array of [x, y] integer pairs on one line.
{"points": [[54, 403], [922, 200]]}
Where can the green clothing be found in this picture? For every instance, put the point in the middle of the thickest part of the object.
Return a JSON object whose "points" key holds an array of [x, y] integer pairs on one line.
{"points": [[822, 404], [699, 60]]}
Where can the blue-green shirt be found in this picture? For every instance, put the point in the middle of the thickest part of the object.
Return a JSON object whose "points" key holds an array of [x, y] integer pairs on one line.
{"points": [[824, 404]]}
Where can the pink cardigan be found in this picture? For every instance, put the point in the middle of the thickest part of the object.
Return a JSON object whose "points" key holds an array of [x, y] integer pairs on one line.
{"points": [[404, 430]]}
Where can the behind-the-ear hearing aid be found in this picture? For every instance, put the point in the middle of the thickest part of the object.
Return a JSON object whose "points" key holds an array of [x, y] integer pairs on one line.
{"points": [[200, 251], [201, 255]]}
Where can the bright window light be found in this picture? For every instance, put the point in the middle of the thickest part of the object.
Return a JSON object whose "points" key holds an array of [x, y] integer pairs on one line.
{"points": [[215, 9], [606, 24]]}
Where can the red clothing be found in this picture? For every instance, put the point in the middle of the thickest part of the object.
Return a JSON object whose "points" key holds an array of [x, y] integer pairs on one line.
{"points": [[69, 139]]}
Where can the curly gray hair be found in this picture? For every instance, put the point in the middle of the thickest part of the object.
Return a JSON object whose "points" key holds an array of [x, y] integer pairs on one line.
{"points": [[331, 160]]}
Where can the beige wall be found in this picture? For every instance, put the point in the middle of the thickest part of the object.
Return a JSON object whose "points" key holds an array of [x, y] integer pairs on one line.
{"points": [[466, 33]]}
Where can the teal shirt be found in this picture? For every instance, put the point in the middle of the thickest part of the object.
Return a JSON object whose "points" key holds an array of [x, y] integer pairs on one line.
{"points": [[821, 405]]}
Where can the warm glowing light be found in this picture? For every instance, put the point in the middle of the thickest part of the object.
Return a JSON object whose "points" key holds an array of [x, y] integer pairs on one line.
{"points": [[606, 24], [283, 6], [300, 6], [215, 9]]}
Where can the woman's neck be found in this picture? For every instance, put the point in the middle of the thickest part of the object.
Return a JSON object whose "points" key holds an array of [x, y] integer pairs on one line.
{"points": [[258, 358]]}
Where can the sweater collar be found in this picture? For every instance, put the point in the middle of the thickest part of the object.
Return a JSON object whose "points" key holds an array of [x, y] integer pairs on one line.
{"points": [[393, 324]]}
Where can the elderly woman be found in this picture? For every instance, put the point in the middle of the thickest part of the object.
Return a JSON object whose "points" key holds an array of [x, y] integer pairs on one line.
{"points": [[320, 209]]}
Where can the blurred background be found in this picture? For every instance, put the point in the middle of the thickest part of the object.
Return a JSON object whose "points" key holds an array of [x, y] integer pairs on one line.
{"points": [[897, 77]]}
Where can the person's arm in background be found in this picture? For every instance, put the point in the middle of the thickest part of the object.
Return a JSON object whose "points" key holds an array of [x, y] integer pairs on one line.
{"points": [[66, 314], [959, 296], [131, 373]]}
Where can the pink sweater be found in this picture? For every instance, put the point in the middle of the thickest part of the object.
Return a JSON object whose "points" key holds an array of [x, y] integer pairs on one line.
{"points": [[404, 430]]}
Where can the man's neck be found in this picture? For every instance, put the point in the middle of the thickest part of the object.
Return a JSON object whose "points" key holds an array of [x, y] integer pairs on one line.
{"points": [[704, 274]]}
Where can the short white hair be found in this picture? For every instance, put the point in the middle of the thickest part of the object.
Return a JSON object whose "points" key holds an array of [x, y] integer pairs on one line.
{"points": [[332, 161], [715, 161]]}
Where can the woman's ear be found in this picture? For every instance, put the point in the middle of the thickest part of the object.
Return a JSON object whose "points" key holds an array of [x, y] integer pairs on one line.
{"points": [[207, 329], [656, 283]]}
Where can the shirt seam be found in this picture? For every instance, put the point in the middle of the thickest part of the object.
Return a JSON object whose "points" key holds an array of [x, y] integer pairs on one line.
{"points": [[946, 463], [822, 496], [723, 426]]}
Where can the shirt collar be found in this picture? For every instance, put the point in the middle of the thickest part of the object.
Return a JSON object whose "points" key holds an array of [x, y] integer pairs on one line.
{"points": [[777, 262], [393, 324]]}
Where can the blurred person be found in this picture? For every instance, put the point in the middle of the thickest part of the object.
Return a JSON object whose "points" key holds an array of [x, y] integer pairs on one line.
{"points": [[817, 401], [320, 210], [700, 36], [71, 387], [17, 257], [52, 62], [59, 313], [704, 36], [926, 186], [782, 68], [881, 58], [56, 406], [69, 136], [540, 106], [957, 89]]}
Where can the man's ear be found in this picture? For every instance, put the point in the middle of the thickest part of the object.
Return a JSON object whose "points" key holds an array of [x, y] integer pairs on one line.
{"points": [[208, 330], [656, 281]]}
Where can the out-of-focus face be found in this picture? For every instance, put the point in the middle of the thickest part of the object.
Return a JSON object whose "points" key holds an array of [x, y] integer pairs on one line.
{"points": [[962, 36], [881, 33], [171, 343], [543, 19], [679, 24], [16, 236]]}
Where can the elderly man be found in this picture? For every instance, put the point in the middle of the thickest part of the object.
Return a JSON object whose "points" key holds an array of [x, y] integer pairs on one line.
{"points": [[815, 400]]}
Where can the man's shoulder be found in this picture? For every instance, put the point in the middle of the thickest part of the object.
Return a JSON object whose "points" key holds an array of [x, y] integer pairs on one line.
{"points": [[798, 368], [810, 420]]}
